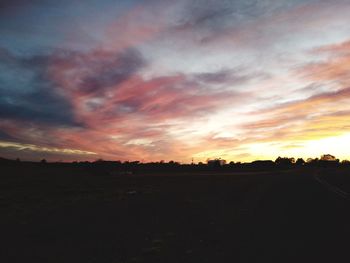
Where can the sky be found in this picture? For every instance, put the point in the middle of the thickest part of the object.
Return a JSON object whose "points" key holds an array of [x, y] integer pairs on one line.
{"points": [[155, 80]]}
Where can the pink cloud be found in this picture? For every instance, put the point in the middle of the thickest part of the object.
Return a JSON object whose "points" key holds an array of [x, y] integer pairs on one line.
{"points": [[122, 115]]}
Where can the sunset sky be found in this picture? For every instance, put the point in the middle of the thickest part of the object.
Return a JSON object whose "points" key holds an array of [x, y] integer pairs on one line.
{"points": [[174, 80]]}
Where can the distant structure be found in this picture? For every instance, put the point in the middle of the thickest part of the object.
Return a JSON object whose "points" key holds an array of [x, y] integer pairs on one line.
{"points": [[216, 162]]}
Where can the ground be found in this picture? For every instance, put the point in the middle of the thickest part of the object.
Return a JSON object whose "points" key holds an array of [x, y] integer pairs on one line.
{"points": [[68, 216]]}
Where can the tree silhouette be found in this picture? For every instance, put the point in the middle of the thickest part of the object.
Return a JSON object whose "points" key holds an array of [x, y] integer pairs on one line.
{"points": [[300, 161]]}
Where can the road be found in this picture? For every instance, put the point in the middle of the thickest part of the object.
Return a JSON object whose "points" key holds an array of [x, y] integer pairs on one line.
{"points": [[277, 217], [301, 220]]}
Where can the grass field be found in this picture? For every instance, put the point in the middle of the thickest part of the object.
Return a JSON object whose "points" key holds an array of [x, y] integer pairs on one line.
{"points": [[64, 215]]}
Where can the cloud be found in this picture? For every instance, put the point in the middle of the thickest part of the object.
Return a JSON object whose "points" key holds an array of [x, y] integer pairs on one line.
{"points": [[224, 76], [27, 94], [105, 85], [7, 5], [323, 114], [250, 25], [166, 98], [334, 70], [224, 14], [338, 49], [4, 136], [33, 152], [94, 71], [136, 26], [116, 107], [315, 117], [172, 79]]}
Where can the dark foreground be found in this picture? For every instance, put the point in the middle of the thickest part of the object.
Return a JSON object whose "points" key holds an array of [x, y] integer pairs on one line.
{"points": [[50, 216]]}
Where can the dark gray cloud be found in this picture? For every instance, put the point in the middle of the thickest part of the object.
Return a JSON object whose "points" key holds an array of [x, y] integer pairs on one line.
{"points": [[224, 76], [39, 106], [27, 94], [111, 70], [7, 5], [212, 19], [228, 12], [5, 136], [99, 70]]}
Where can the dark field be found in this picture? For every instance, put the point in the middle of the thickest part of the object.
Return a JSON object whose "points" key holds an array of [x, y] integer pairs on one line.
{"points": [[64, 215]]}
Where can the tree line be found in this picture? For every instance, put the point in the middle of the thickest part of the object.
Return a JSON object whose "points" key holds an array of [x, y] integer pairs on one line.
{"points": [[103, 167]]}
